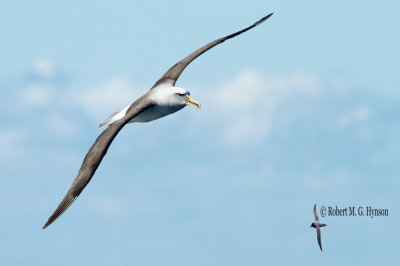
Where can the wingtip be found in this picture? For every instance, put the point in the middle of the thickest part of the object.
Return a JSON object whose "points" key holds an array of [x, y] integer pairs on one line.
{"points": [[263, 19], [64, 205], [49, 222]]}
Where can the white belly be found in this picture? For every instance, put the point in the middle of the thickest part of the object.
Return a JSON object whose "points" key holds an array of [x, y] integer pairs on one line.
{"points": [[154, 113]]}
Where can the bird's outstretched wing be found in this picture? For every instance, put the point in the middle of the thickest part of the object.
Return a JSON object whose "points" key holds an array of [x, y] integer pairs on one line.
{"points": [[175, 71], [95, 155], [319, 237], [315, 213]]}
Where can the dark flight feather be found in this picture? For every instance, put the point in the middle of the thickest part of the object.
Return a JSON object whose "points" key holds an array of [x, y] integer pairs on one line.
{"points": [[95, 155], [172, 75]]}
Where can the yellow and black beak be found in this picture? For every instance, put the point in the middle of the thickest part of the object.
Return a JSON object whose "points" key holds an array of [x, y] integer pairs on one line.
{"points": [[190, 101]]}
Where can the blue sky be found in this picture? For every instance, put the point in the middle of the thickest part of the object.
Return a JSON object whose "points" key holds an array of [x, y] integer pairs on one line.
{"points": [[300, 110]]}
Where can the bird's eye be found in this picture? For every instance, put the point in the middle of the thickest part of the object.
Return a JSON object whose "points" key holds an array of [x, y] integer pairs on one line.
{"points": [[180, 94]]}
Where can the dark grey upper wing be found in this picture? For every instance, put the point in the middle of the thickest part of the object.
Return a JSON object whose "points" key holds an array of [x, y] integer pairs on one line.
{"points": [[319, 237], [315, 213], [175, 71], [95, 155]]}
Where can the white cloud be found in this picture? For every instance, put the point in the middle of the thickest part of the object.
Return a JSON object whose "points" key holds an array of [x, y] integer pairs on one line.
{"points": [[11, 143], [100, 101], [247, 105], [41, 88], [356, 120], [356, 115], [61, 126], [36, 95], [44, 66]]}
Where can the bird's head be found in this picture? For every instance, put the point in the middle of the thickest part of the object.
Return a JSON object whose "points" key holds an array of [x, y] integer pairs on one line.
{"points": [[181, 96], [175, 97], [312, 225]]}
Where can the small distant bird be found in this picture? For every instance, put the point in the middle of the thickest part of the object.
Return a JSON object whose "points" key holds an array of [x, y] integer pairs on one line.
{"points": [[317, 225], [161, 100]]}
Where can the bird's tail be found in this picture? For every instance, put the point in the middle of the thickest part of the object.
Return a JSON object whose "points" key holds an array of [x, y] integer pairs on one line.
{"points": [[114, 117]]}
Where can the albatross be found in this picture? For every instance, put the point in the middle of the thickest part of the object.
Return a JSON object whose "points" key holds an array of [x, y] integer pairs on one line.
{"points": [[161, 100]]}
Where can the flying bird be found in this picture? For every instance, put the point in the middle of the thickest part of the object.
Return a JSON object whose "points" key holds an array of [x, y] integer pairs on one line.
{"points": [[161, 100], [317, 225]]}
